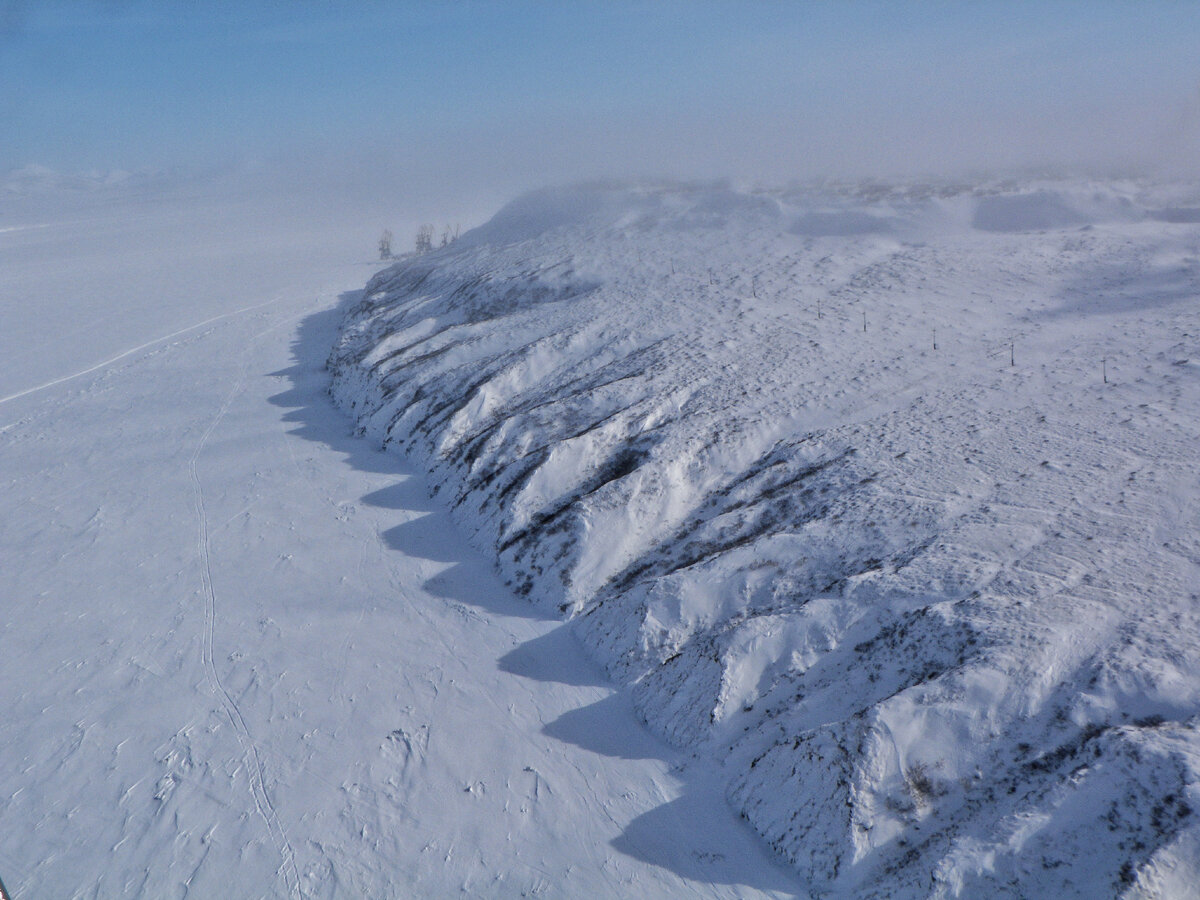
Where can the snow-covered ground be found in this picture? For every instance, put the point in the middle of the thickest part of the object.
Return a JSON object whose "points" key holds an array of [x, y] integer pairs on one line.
{"points": [[242, 653], [881, 499]]}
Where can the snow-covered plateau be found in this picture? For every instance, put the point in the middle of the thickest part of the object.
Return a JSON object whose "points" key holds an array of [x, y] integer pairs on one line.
{"points": [[881, 499]]}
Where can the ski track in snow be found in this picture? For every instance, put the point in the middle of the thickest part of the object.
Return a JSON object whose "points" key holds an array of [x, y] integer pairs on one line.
{"points": [[250, 751], [132, 350]]}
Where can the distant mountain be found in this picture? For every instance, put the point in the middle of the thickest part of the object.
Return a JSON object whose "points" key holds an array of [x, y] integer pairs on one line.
{"points": [[39, 181]]}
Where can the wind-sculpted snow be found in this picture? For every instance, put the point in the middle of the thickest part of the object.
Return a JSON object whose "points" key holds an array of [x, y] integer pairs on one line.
{"points": [[874, 492]]}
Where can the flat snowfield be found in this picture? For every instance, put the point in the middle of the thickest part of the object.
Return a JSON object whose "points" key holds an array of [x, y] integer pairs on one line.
{"points": [[242, 653], [883, 500]]}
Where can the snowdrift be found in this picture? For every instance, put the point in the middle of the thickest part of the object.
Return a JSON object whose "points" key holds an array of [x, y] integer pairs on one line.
{"points": [[885, 495]]}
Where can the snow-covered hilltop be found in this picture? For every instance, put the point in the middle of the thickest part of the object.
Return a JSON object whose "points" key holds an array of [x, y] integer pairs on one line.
{"points": [[886, 495]]}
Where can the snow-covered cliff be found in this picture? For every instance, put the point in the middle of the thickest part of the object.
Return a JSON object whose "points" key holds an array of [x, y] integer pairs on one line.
{"points": [[885, 495]]}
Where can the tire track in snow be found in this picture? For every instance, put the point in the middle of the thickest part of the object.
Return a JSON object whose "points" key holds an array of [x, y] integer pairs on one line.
{"points": [[250, 754]]}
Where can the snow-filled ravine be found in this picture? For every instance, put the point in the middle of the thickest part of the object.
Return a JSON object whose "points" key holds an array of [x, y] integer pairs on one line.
{"points": [[882, 501], [242, 654]]}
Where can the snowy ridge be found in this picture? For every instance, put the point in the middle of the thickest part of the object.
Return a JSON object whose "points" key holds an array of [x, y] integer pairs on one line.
{"points": [[832, 478]]}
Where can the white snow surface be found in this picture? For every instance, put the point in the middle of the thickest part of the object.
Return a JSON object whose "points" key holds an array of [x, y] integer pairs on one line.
{"points": [[881, 499], [242, 654]]}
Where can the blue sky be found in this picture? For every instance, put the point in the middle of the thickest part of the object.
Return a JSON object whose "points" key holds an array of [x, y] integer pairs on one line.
{"points": [[525, 92]]}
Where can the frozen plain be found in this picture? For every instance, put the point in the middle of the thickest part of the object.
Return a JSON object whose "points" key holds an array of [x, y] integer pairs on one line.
{"points": [[242, 652]]}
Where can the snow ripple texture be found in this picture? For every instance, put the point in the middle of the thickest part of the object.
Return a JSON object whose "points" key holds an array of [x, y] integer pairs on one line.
{"points": [[884, 494]]}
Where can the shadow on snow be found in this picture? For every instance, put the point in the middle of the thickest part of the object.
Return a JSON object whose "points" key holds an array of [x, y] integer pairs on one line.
{"points": [[682, 835]]}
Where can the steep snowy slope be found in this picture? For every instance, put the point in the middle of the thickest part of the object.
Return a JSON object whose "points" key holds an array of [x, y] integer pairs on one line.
{"points": [[884, 495], [241, 655]]}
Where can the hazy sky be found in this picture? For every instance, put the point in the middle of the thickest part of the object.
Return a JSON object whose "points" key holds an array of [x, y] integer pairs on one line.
{"points": [[520, 93]]}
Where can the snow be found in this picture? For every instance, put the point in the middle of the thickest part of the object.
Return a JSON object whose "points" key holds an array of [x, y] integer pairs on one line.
{"points": [[240, 643], [880, 500], [664, 511]]}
